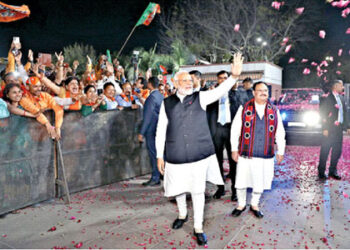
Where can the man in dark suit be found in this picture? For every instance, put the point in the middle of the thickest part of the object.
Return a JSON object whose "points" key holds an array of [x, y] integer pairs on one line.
{"points": [[149, 126], [220, 115], [247, 86], [334, 120]]}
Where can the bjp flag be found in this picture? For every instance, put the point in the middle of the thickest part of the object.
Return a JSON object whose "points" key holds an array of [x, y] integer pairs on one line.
{"points": [[10, 13]]}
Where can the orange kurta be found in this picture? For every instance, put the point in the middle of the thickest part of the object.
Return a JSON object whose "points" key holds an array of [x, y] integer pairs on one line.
{"points": [[45, 102]]}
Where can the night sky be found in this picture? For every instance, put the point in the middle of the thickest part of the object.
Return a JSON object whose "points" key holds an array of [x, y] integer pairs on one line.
{"points": [[105, 24]]}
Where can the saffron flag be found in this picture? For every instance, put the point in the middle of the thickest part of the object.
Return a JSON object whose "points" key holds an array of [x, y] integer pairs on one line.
{"points": [[148, 14], [162, 69], [10, 13]]}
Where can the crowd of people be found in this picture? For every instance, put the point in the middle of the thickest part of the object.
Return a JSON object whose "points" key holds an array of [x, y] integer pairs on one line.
{"points": [[31, 89], [186, 128]]}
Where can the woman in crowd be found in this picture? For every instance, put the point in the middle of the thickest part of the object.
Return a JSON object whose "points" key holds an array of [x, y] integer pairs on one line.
{"points": [[13, 95], [92, 101]]}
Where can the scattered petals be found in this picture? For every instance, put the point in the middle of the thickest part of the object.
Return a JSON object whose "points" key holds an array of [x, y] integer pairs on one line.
{"points": [[338, 72], [291, 60], [277, 5], [345, 12], [237, 26], [304, 60], [285, 41], [340, 52], [345, 195], [300, 10], [306, 71], [78, 245], [72, 218], [347, 31], [288, 48], [336, 123], [52, 229], [322, 34]]}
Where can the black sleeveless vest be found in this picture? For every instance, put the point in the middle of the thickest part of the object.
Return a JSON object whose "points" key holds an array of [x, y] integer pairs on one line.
{"points": [[188, 137]]}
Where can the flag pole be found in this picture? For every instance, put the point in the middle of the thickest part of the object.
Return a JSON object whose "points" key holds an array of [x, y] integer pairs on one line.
{"points": [[127, 39]]}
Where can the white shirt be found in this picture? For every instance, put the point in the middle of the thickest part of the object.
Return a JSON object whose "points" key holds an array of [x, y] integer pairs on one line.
{"points": [[260, 109], [227, 109], [205, 98], [337, 98], [111, 79]]}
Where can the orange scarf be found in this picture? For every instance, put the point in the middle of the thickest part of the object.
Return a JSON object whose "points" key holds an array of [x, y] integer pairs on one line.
{"points": [[74, 106], [126, 98]]}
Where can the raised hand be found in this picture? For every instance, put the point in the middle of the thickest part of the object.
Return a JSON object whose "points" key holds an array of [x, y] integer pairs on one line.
{"points": [[60, 58], [237, 65], [75, 64], [88, 59], [30, 55]]}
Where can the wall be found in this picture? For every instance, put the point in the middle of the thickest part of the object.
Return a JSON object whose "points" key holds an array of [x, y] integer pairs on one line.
{"points": [[99, 149]]}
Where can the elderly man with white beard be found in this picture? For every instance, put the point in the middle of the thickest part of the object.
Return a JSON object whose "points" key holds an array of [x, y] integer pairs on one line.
{"points": [[183, 137]]}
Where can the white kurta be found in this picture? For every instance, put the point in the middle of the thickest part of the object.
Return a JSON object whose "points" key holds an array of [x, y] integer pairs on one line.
{"points": [[190, 177], [256, 173]]}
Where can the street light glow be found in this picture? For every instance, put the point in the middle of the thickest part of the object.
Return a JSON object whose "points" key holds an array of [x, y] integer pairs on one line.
{"points": [[264, 43], [259, 39]]}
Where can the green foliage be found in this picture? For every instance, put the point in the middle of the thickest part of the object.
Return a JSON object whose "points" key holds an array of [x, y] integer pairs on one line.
{"points": [[79, 52]]}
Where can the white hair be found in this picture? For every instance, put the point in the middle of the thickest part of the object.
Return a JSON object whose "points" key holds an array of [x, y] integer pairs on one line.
{"points": [[176, 77]]}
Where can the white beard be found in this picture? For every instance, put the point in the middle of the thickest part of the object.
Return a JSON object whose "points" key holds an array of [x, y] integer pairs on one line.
{"points": [[185, 92]]}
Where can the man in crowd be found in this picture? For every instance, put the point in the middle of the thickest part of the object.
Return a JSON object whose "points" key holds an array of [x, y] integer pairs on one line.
{"points": [[127, 99], [247, 86], [220, 115], [183, 135], [37, 101], [255, 129], [149, 126], [196, 77], [334, 121]]}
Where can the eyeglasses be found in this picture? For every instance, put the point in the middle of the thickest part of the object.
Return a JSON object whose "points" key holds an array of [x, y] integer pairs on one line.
{"points": [[186, 81]]}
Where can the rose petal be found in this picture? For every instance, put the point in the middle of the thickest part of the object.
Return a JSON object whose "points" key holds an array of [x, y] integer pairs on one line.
{"points": [[306, 71], [322, 34], [291, 60], [288, 48], [236, 29], [300, 10]]}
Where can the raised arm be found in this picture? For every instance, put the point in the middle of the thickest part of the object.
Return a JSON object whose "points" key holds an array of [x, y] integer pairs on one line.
{"points": [[210, 96]]}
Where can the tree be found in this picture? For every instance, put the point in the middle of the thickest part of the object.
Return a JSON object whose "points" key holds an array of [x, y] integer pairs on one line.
{"points": [[206, 27], [79, 52]]}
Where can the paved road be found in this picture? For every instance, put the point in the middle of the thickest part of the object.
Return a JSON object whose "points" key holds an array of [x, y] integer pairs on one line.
{"points": [[300, 212]]}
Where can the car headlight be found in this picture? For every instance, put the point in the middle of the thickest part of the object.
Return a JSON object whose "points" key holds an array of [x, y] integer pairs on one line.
{"points": [[311, 118], [284, 116]]}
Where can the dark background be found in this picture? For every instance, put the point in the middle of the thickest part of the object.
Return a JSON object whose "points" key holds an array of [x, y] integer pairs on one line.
{"points": [[105, 24]]}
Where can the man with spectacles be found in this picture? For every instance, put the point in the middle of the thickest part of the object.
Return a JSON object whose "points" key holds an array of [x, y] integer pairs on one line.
{"points": [[255, 129], [220, 115], [183, 136]]}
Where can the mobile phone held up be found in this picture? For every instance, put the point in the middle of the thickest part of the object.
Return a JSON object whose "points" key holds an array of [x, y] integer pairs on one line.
{"points": [[99, 92]]}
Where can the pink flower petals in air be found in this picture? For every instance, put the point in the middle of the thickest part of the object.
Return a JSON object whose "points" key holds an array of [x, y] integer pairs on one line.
{"points": [[304, 60], [300, 10], [345, 195], [288, 48], [336, 123], [340, 52], [236, 28], [277, 5], [306, 71], [347, 31], [341, 3], [291, 60], [345, 12], [322, 34], [285, 41]]}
